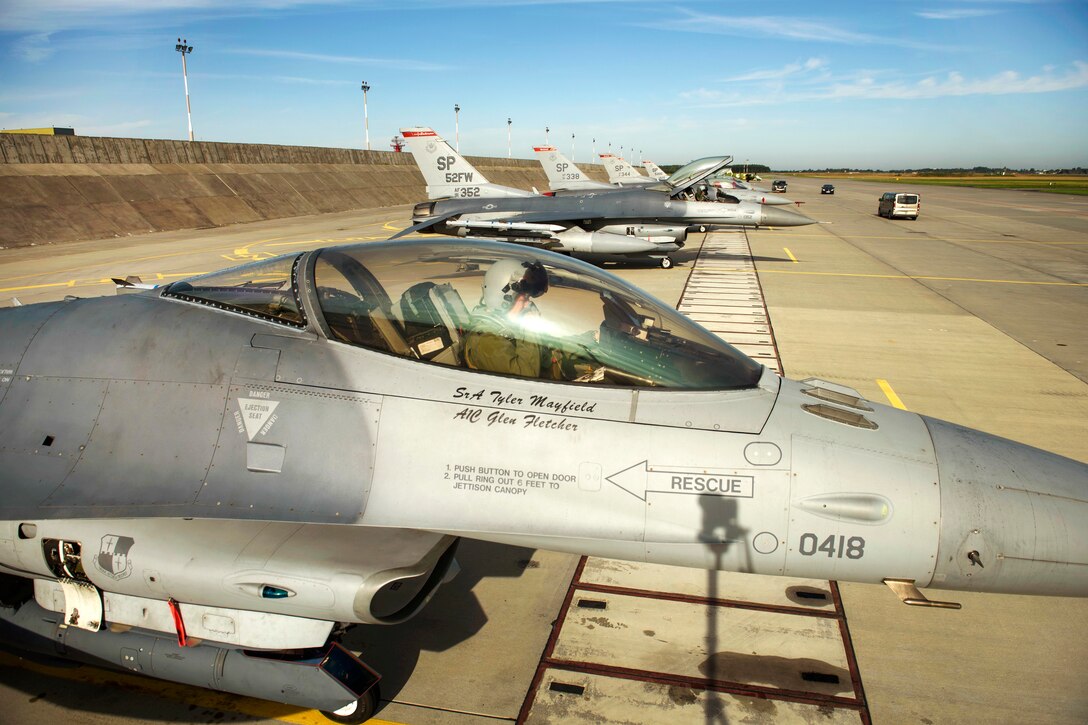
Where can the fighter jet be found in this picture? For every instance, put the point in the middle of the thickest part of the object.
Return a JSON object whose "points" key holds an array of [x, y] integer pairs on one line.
{"points": [[208, 481], [607, 224], [728, 182], [731, 191]]}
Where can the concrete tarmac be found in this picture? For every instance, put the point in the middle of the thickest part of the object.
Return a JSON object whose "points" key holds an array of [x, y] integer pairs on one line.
{"points": [[973, 313]]}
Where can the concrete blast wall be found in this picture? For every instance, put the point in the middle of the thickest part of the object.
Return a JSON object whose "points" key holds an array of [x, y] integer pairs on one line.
{"points": [[66, 188]]}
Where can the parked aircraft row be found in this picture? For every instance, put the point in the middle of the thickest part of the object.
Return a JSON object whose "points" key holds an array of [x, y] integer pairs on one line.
{"points": [[563, 175], [634, 217]]}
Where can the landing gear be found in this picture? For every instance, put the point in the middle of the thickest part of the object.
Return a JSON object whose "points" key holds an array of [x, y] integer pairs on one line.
{"points": [[666, 263], [356, 712]]}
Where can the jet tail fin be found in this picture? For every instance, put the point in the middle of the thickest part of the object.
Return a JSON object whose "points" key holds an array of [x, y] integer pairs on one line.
{"points": [[619, 170], [560, 170], [443, 169], [655, 171]]}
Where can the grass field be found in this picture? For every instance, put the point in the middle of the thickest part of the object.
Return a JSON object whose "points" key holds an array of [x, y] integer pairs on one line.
{"points": [[1063, 184]]}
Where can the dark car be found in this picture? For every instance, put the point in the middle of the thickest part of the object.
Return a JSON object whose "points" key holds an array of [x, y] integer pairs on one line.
{"points": [[779, 185], [827, 189]]}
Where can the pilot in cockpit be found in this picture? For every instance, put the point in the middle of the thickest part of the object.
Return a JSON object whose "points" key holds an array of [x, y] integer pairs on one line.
{"points": [[499, 341]]}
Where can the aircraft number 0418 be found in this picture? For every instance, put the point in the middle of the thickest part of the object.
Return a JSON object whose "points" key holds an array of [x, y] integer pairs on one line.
{"points": [[834, 547]]}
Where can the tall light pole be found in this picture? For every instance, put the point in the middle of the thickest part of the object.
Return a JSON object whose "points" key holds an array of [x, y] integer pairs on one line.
{"points": [[457, 127], [546, 129], [593, 158], [183, 48], [366, 118], [509, 146], [572, 148]]}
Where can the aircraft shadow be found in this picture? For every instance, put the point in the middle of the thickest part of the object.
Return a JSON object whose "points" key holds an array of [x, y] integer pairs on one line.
{"points": [[451, 617]]}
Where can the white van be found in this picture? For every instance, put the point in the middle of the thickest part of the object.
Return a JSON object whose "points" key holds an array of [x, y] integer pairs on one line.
{"points": [[895, 204]]}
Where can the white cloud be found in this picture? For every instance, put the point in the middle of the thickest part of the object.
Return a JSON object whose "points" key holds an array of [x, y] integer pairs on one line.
{"points": [[398, 63], [955, 84], [771, 74], [33, 48], [780, 27], [956, 13], [54, 15], [300, 80], [868, 86]]}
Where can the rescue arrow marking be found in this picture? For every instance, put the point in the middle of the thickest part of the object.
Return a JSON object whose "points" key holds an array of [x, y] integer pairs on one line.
{"points": [[642, 476]]}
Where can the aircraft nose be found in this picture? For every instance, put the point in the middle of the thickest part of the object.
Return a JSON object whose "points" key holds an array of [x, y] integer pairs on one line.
{"points": [[772, 200], [1014, 518], [775, 217]]}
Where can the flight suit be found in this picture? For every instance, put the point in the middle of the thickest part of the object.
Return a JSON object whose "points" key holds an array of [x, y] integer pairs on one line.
{"points": [[493, 345]]}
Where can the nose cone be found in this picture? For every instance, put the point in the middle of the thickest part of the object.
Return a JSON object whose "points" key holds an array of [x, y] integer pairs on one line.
{"points": [[1014, 518], [772, 200], [775, 217]]}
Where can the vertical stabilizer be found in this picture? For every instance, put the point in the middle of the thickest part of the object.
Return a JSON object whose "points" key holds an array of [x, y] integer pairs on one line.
{"points": [[447, 173], [654, 171], [562, 174], [621, 172]]}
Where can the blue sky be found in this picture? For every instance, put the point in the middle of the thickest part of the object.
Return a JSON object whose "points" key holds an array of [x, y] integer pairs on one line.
{"points": [[789, 84]]}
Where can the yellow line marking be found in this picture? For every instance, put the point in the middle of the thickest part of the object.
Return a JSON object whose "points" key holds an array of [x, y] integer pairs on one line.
{"points": [[36, 286], [388, 225], [915, 277], [932, 239], [892, 397], [240, 254], [209, 699], [790, 254], [217, 249], [92, 282]]}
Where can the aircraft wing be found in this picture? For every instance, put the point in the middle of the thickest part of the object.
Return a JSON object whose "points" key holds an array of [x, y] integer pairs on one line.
{"points": [[424, 225]]}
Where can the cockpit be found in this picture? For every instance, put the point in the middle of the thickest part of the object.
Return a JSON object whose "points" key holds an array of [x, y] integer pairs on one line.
{"points": [[493, 308], [692, 173]]}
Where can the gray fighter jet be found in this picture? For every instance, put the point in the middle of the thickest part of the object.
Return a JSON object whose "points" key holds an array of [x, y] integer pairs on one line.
{"points": [[649, 221], [206, 482]]}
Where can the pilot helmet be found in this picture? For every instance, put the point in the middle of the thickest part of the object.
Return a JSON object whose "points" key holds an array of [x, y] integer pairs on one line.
{"points": [[509, 278]]}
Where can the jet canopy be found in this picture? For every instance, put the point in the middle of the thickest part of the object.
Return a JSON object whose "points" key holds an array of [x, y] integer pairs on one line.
{"points": [[482, 306], [692, 173]]}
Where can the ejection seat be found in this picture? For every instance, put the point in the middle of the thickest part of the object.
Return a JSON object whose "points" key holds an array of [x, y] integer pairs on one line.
{"points": [[434, 318]]}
